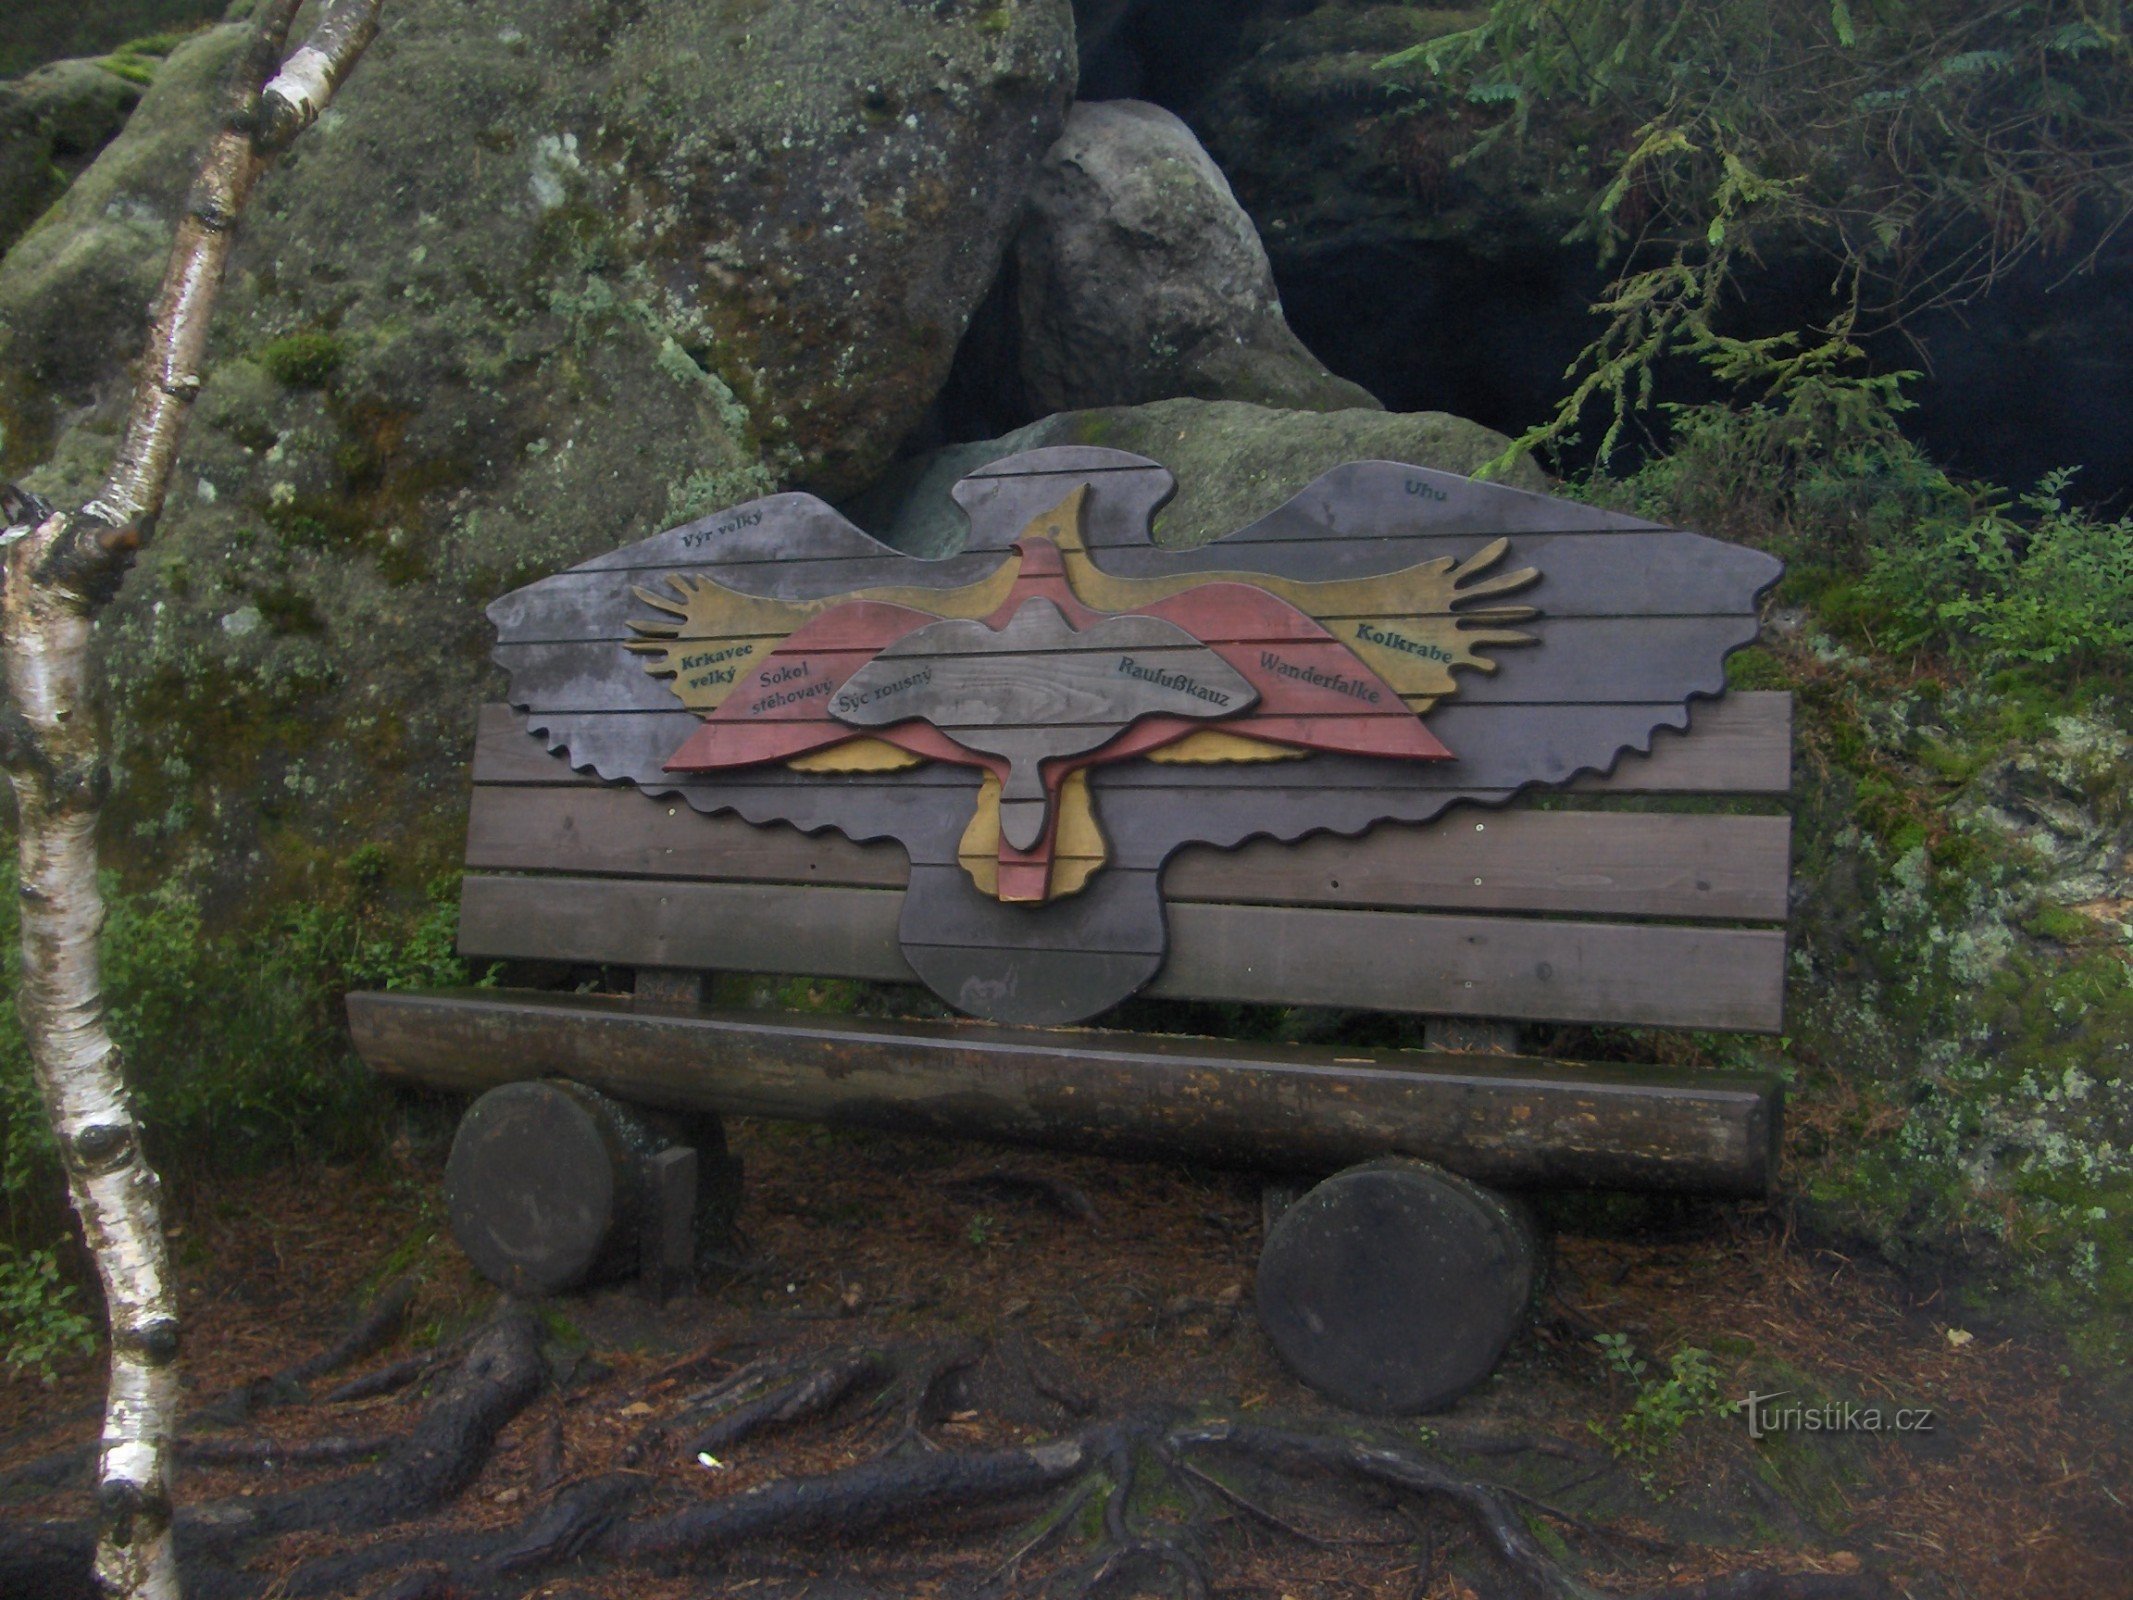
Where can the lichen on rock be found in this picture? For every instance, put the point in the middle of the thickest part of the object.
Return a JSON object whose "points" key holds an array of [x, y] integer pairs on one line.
{"points": [[546, 279]]}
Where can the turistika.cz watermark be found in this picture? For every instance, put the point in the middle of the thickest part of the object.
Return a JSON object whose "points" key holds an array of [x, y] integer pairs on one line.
{"points": [[1766, 1415]]}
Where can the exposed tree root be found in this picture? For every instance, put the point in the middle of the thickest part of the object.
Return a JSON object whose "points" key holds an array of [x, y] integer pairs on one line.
{"points": [[1489, 1509], [919, 1389], [388, 1379], [813, 1394], [378, 1324], [373, 1331], [1143, 1468], [422, 1470], [501, 1373], [855, 1499], [222, 1451]]}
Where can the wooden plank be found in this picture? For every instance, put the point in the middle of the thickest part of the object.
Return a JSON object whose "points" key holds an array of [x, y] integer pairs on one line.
{"points": [[1630, 973], [1590, 863], [1593, 863], [781, 525], [1499, 1120], [505, 752], [742, 927], [617, 832], [1739, 744], [1110, 916], [587, 601], [1649, 974], [1034, 988]]}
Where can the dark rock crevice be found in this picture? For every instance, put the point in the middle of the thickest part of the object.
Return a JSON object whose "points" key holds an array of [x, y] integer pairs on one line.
{"points": [[1436, 283]]}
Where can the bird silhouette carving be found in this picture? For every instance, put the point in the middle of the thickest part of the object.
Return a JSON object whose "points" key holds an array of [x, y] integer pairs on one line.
{"points": [[1040, 687], [1043, 719]]}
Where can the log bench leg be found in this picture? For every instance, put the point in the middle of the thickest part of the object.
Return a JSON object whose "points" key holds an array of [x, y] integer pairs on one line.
{"points": [[1394, 1286], [551, 1185]]}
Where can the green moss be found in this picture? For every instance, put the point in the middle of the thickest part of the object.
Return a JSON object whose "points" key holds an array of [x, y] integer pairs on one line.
{"points": [[302, 360], [701, 493], [1756, 668], [2059, 924], [139, 60]]}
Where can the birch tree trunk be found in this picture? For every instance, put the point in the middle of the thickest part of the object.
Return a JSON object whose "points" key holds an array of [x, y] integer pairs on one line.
{"points": [[60, 568]]}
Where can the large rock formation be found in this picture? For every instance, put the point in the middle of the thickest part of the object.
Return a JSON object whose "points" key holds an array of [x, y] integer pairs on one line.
{"points": [[548, 278], [33, 32], [52, 123], [1234, 462], [1139, 277]]}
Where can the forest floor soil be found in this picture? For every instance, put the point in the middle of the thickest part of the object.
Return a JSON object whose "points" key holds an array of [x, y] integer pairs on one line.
{"points": [[1004, 1298]]}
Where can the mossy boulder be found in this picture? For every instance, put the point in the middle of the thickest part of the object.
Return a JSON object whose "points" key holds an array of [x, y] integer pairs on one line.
{"points": [[1961, 1003], [33, 32], [75, 290], [52, 123], [1234, 462], [1138, 277], [547, 278]]}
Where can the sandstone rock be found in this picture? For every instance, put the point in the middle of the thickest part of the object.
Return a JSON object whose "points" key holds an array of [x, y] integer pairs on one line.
{"points": [[33, 32], [2060, 802], [1139, 277], [548, 278], [52, 123], [1234, 462]]}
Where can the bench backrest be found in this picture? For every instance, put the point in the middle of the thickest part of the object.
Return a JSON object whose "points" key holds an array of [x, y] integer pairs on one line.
{"points": [[1591, 906]]}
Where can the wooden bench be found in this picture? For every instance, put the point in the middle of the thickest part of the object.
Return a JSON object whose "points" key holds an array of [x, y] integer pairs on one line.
{"points": [[1393, 1285]]}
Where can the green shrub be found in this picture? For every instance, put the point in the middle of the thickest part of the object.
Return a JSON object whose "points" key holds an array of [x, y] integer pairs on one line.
{"points": [[1888, 551], [234, 1043], [2055, 592], [1918, 147], [38, 1315]]}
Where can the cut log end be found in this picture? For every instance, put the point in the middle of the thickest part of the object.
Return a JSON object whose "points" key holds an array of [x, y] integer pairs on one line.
{"points": [[535, 1187], [1393, 1287]]}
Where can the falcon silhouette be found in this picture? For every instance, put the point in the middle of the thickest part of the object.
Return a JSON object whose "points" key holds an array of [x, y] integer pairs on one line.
{"points": [[1046, 685]]}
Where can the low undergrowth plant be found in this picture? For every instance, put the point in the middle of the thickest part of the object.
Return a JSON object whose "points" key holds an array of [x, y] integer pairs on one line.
{"points": [[40, 1314], [1660, 1407], [1892, 555], [2052, 590], [234, 1040]]}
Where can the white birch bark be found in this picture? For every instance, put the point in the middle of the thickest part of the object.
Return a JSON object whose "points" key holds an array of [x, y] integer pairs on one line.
{"points": [[59, 569]]}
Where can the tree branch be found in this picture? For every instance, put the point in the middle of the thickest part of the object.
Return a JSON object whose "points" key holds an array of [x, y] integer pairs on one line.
{"points": [[305, 84], [87, 560], [59, 568]]}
